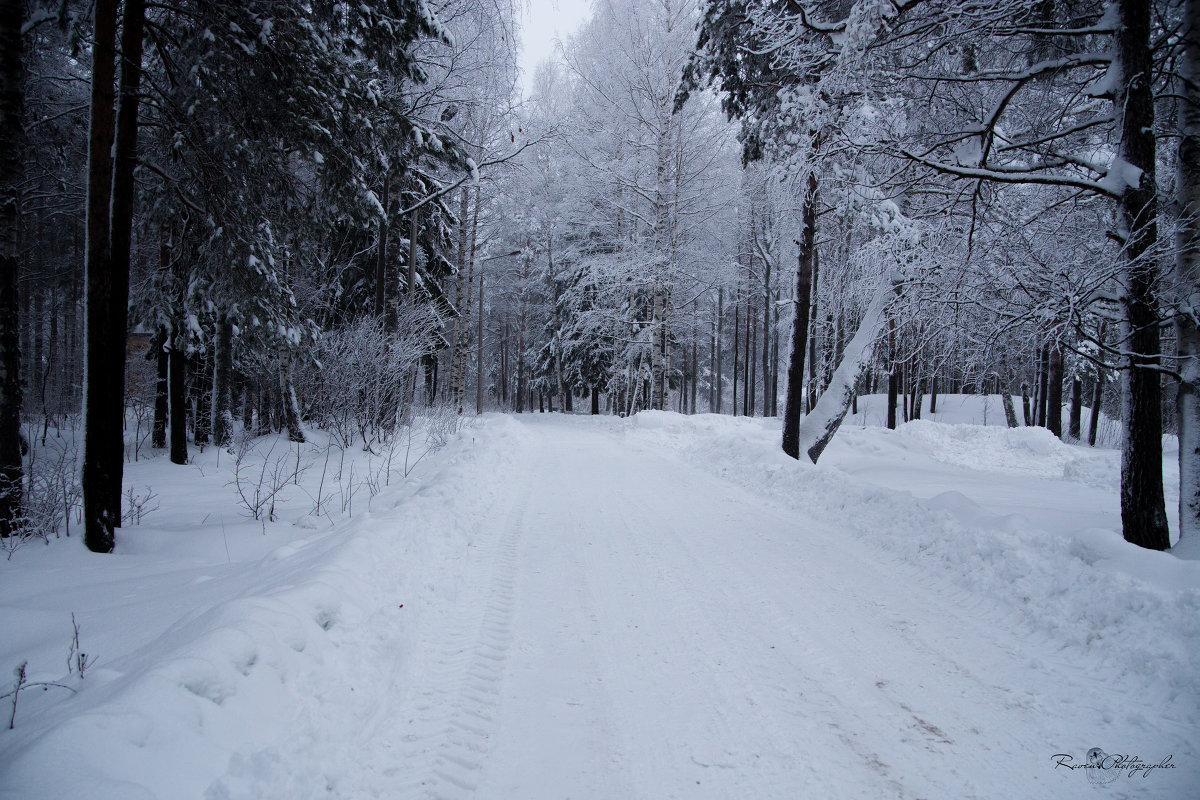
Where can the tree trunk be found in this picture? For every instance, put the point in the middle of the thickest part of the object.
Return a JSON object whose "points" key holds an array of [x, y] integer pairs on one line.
{"points": [[177, 396], [737, 346], [893, 378], [806, 246], [109, 210], [287, 396], [819, 426], [12, 171], [1043, 384], [479, 345], [933, 394], [1187, 275], [1143, 512], [1028, 420], [595, 402], [222, 423], [1076, 409], [1010, 411], [202, 382], [158, 438], [1054, 391], [381, 253], [1097, 399]]}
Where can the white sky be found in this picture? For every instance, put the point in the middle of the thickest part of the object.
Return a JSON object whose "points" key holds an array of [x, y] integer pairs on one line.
{"points": [[543, 22]]}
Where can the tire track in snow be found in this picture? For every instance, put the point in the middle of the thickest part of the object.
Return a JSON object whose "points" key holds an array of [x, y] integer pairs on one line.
{"points": [[456, 707]]}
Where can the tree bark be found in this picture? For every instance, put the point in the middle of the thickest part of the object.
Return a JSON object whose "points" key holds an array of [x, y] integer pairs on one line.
{"points": [[794, 405], [1043, 384], [1097, 399], [893, 379], [12, 172], [177, 396], [720, 385], [161, 344], [1143, 512], [1028, 420], [1187, 275], [109, 211], [222, 423], [1054, 390], [1073, 425]]}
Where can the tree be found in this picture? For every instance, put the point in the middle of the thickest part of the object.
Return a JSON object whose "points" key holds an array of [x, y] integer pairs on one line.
{"points": [[12, 157]]}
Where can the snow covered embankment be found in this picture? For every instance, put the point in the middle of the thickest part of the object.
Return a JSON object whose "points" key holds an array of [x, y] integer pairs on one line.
{"points": [[214, 702], [1085, 589]]}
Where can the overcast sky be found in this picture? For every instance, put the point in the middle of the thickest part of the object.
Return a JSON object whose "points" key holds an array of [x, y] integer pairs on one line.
{"points": [[545, 21]]}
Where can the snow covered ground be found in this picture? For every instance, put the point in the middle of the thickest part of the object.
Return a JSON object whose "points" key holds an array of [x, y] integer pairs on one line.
{"points": [[587, 607]]}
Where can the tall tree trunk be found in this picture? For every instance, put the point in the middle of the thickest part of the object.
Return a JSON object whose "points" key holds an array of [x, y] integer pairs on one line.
{"points": [[1010, 411], [933, 394], [381, 252], [1054, 391], [893, 378], [287, 396], [223, 382], [12, 171], [1076, 409], [1097, 399], [748, 394], [110, 218], [161, 344], [1143, 512], [1187, 275], [1028, 420], [806, 246], [202, 381], [595, 401], [479, 347], [737, 346], [717, 346], [1044, 386], [177, 395]]}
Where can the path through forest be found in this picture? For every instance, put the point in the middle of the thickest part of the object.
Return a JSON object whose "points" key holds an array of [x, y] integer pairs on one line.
{"points": [[631, 626]]}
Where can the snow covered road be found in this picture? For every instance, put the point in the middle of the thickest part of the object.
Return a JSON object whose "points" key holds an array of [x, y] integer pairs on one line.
{"points": [[632, 626], [662, 607]]}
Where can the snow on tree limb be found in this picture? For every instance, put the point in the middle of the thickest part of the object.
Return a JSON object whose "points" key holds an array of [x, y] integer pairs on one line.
{"points": [[819, 425]]}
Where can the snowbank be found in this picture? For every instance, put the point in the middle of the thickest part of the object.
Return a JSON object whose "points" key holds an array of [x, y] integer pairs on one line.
{"points": [[1086, 588], [208, 660]]}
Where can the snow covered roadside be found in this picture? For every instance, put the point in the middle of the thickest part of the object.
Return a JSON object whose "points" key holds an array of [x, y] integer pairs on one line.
{"points": [[1083, 589], [214, 644]]}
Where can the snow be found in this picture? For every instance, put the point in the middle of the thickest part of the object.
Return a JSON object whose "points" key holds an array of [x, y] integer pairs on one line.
{"points": [[663, 606]]}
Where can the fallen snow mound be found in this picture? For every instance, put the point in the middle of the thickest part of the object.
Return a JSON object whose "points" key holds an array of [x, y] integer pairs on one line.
{"points": [[1086, 589]]}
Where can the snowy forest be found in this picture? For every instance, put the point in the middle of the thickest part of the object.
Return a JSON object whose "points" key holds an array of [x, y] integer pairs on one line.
{"points": [[248, 247]]}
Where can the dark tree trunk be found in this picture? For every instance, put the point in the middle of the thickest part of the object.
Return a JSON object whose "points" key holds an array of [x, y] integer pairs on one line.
{"points": [[1025, 404], [12, 103], [1054, 391], [1097, 399], [161, 344], [202, 381], [737, 332], [893, 378], [794, 404], [381, 254], [595, 402], [916, 399], [1010, 411], [223, 383], [177, 397], [1143, 512], [109, 210], [249, 398], [1044, 386], [287, 396], [1076, 409], [933, 395]]}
